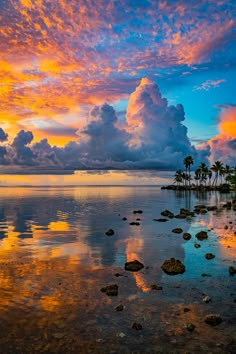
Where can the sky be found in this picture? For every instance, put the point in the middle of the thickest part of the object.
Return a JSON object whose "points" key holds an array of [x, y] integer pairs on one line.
{"points": [[121, 84]]}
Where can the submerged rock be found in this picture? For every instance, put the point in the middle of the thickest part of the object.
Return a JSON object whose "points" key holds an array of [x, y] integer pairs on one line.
{"points": [[173, 266], [137, 211], [110, 232], [134, 223], [186, 212], [178, 230], [161, 220], [186, 309], [180, 216], [213, 319], [190, 327], [186, 236], [119, 308], [110, 290], [167, 213], [232, 270], [201, 235], [196, 245], [124, 219], [156, 287], [212, 208], [209, 256], [133, 266], [137, 326]]}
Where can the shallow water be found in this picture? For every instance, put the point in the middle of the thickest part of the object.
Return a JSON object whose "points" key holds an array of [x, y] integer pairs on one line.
{"points": [[55, 257]]}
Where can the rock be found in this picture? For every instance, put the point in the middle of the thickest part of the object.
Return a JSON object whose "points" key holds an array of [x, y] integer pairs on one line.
{"points": [[212, 208], [124, 219], [137, 326], [186, 236], [118, 275], [121, 335], [186, 309], [137, 211], [138, 219], [226, 227], [134, 223], [200, 206], [196, 245], [110, 290], [186, 212], [201, 235], [209, 256], [167, 213], [228, 205], [119, 308], [213, 319], [180, 216], [190, 327], [173, 266], [156, 287], [232, 270], [110, 232], [133, 266], [206, 275], [206, 299], [160, 220], [178, 230]]}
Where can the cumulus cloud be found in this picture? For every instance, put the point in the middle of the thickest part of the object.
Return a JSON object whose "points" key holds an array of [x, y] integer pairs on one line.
{"points": [[151, 136], [21, 153], [158, 136], [223, 146], [3, 135], [101, 140]]}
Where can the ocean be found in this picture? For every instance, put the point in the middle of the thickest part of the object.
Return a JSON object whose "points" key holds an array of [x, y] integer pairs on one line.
{"points": [[55, 257]]}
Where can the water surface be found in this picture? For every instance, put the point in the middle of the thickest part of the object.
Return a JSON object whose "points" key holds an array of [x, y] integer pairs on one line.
{"points": [[55, 257]]}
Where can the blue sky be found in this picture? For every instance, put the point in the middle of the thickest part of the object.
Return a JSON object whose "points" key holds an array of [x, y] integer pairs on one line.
{"points": [[61, 59]]}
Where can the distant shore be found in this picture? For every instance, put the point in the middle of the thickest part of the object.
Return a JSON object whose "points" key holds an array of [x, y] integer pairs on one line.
{"points": [[201, 188]]}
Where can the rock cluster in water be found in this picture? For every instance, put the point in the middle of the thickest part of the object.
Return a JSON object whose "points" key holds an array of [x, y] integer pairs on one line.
{"points": [[110, 290], [133, 266], [173, 266]]}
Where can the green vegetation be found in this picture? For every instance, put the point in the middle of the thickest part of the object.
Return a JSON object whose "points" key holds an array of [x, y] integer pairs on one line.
{"points": [[217, 176]]}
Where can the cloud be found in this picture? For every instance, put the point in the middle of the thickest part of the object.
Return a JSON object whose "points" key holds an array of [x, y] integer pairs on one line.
{"points": [[158, 136], [151, 136], [101, 140], [223, 146], [3, 135], [208, 84], [60, 55], [20, 153]]}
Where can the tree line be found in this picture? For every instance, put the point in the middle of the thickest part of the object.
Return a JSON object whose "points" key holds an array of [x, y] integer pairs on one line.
{"points": [[211, 176]]}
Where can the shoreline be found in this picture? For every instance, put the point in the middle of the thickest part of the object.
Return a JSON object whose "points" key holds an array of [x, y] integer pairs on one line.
{"points": [[220, 188]]}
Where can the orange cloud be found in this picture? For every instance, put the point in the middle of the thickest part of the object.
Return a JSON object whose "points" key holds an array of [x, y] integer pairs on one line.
{"points": [[60, 55], [223, 146]]}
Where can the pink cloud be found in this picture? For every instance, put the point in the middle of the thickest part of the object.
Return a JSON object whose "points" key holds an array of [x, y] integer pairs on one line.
{"points": [[223, 146], [208, 84]]}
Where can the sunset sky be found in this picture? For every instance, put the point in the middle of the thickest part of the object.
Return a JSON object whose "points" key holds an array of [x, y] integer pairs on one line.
{"points": [[116, 84]]}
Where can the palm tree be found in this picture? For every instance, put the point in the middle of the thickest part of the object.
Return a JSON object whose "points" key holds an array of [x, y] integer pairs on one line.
{"points": [[188, 161], [209, 176], [204, 171], [217, 168], [178, 177], [228, 172], [197, 175]]}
